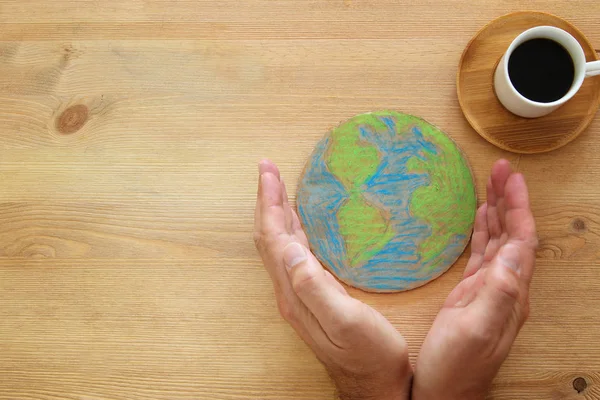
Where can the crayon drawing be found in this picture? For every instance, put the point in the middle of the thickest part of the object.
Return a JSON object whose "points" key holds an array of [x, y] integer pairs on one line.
{"points": [[387, 201]]}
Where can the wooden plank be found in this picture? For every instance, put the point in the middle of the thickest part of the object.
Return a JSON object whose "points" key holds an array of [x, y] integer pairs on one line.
{"points": [[92, 329], [127, 269]]}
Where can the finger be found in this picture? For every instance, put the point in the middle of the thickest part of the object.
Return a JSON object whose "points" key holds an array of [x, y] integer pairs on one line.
{"points": [[501, 170], [493, 222], [270, 233], [496, 301], [289, 218], [308, 328], [479, 242], [292, 309], [270, 218], [335, 283], [296, 225], [309, 281], [292, 221], [462, 295], [295, 312], [520, 224], [263, 167], [268, 166], [272, 214], [300, 317], [503, 298], [496, 210], [298, 231]]}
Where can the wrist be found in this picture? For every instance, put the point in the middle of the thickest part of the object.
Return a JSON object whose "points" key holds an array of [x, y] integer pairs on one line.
{"points": [[399, 390], [385, 381], [468, 387], [443, 397], [425, 394], [400, 395]]}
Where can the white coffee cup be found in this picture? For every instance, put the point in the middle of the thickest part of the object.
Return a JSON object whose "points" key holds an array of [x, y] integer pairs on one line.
{"points": [[524, 107]]}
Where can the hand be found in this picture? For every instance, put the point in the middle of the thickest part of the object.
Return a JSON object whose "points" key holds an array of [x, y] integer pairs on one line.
{"points": [[473, 333], [362, 352]]}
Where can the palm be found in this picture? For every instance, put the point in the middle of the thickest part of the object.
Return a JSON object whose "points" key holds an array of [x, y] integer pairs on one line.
{"points": [[481, 317]]}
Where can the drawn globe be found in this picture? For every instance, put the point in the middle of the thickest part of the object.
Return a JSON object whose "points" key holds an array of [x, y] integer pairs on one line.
{"points": [[387, 201]]}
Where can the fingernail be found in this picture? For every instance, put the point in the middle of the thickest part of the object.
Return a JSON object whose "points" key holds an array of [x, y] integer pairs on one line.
{"points": [[262, 166], [509, 256], [267, 179], [293, 254]]}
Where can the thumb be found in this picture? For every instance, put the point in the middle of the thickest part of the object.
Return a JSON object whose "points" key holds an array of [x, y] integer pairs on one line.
{"points": [[501, 288], [310, 282]]}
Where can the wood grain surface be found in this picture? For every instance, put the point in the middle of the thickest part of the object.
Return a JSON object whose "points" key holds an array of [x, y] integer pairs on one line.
{"points": [[485, 113], [127, 268]]}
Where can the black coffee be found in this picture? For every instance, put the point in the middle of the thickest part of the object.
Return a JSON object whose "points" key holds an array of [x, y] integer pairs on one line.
{"points": [[541, 70]]}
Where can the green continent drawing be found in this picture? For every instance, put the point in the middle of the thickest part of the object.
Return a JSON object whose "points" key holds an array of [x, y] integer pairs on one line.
{"points": [[451, 184], [353, 161]]}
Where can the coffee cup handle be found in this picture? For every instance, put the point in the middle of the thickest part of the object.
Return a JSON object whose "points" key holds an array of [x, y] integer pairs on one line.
{"points": [[592, 68]]}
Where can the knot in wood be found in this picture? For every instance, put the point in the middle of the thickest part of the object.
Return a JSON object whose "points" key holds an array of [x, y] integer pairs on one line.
{"points": [[579, 384], [72, 119], [578, 225]]}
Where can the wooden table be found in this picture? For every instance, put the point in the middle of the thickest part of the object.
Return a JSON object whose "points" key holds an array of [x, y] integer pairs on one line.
{"points": [[129, 136]]}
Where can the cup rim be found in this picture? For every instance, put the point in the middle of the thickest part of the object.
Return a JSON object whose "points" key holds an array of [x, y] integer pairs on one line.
{"points": [[577, 81]]}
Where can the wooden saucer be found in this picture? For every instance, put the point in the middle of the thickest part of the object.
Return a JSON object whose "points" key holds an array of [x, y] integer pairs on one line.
{"points": [[496, 124]]}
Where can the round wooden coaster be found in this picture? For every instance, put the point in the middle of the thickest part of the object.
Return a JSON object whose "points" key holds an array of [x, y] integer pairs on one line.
{"points": [[387, 201], [496, 124]]}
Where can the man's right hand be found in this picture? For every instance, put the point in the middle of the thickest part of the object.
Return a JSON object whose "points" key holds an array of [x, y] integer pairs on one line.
{"points": [[474, 331]]}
